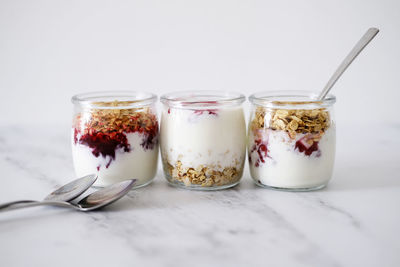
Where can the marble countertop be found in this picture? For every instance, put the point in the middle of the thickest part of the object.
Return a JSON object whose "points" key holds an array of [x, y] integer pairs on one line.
{"points": [[352, 222]]}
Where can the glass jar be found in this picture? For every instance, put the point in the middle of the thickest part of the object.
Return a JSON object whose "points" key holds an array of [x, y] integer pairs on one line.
{"points": [[203, 139], [291, 142], [115, 135]]}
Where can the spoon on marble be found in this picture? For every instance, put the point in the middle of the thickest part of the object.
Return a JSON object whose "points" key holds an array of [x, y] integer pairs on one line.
{"points": [[65, 193], [96, 200], [361, 44]]}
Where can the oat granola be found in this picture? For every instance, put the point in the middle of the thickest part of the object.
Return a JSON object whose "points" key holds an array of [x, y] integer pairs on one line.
{"points": [[315, 121], [118, 119], [206, 176]]}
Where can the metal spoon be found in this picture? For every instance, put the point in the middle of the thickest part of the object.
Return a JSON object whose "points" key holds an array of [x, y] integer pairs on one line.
{"points": [[93, 201], [363, 42], [65, 193]]}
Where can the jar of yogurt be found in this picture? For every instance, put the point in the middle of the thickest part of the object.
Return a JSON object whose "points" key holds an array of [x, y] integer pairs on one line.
{"points": [[115, 135], [203, 139], [291, 142]]}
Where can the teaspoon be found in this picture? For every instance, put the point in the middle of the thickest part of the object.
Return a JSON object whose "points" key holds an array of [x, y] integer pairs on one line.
{"points": [[96, 200], [361, 44], [65, 193]]}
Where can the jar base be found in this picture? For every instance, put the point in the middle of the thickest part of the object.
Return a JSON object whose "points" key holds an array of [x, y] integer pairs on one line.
{"points": [[202, 188], [302, 189]]}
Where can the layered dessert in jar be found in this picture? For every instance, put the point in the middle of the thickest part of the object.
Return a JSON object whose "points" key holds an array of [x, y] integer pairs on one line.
{"points": [[115, 135], [291, 140], [203, 139]]}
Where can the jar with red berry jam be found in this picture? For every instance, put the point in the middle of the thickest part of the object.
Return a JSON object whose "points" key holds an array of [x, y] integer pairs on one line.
{"points": [[203, 139], [115, 135], [291, 142]]}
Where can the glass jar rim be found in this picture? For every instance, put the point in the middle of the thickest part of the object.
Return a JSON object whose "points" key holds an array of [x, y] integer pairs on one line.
{"points": [[126, 99], [291, 99], [202, 99]]}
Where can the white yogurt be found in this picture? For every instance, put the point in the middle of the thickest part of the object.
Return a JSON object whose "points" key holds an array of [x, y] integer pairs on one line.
{"points": [[138, 163], [287, 167], [211, 138]]}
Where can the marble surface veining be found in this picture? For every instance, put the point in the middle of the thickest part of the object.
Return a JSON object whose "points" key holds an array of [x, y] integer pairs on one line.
{"points": [[352, 222]]}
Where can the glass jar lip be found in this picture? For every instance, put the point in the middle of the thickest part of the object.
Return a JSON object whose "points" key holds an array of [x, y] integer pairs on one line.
{"points": [[291, 99], [126, 99], [202, 99]]}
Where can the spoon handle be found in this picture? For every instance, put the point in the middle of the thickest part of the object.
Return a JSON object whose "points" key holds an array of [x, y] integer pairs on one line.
{"points": [[12, 203], [363, 42], [31, 203]]}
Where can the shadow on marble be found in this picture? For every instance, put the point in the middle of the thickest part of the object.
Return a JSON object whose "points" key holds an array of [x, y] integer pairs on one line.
{"points": [[160, 194], [15, 217], [364, 176]]}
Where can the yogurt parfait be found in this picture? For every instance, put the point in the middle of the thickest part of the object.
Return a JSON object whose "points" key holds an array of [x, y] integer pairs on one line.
{"points": [[115, 135], [291, 140], [203, 139]]}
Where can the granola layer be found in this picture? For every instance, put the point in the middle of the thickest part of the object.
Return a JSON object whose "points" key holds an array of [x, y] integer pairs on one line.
{"points": [[297, 121], [207, 176], [116, 119]]}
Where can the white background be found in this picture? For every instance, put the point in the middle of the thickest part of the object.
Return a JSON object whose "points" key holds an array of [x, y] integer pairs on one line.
{"points": [[51, 50]]}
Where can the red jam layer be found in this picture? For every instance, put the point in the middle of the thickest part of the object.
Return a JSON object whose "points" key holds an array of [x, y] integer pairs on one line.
{"points": [[302, 145], [206, 111], [307, 148], [106, 144], [262, 152], [201, 111]]}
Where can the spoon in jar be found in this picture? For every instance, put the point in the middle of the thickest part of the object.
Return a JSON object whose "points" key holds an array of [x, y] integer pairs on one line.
{"points": [[361, 44], [65, 193], [96, 200]]}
